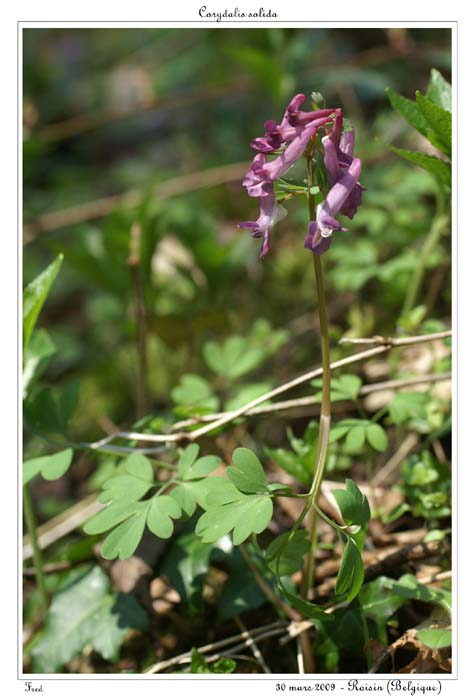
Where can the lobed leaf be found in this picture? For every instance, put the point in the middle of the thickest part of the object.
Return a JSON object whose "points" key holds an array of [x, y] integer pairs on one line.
{"points": [[124, 539], [51, 467], [406, 405], [160, 513], [351, 572], [355, 438], [202, 467], [345, 387], [247, 475], [250, 514], [111, 516], [187, 458], [377, 437], [195, 395], [189, 493], [234, 358], [352, 503]]}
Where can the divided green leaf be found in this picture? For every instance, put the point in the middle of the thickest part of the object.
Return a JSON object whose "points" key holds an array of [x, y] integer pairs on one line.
{"points": [[377, 437], [189, 493], [194, 396], [133, 485], [187, 458], [353, 505], [358, 431], [159, 517], [51, 467], [247, 515], [344, 388], [406, 405], [351, 572], [234, 358], [190, 468], [124, 539], [355, 439], [247, 475]]}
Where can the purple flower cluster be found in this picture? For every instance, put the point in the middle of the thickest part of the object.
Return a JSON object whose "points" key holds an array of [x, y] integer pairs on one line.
{"points": [[291, 137]]}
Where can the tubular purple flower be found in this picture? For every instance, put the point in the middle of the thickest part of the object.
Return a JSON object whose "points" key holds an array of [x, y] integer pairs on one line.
{"points": [[337, 162], [270, 214], [318, 238], [292, 125], [276, 168], [255, 184], [347, 143]]}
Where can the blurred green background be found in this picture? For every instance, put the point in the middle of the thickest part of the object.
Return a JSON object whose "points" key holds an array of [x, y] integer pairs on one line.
{"points": [[118, 111]]}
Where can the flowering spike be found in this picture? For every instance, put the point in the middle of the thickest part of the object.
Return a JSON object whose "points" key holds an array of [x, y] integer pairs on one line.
{"points": [[294, 132]]}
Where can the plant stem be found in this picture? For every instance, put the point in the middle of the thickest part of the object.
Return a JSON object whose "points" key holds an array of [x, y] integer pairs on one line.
{"points": [[324, 429], [37, 556], [437, 229]]}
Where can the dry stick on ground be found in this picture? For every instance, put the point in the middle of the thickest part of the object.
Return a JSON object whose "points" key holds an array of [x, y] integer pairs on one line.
{"points": [[128, 200], [410, 441], [49, 568], [63, 524], [270, 630], [254, 647], [383, 345], [311, 400]]}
